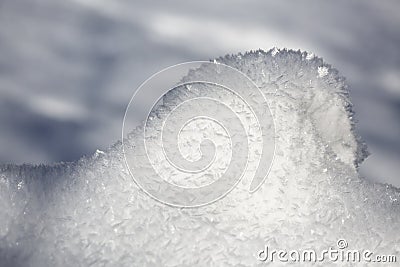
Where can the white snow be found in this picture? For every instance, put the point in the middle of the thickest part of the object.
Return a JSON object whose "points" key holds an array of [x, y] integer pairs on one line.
{"points": [[322, 71], [91, 213]]}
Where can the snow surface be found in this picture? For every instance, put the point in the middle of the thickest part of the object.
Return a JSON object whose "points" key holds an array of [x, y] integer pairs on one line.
{"points": [[64, 82], [91, 212]]}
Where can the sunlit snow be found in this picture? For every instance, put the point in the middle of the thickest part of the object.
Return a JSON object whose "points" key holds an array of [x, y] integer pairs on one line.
{"points": [[91, 212]]}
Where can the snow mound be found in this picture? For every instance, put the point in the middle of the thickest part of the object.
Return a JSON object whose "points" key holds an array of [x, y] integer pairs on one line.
{"points": [[92, 213]]}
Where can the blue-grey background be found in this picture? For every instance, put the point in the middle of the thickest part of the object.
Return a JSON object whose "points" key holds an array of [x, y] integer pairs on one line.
{"points": [[69, 67]]}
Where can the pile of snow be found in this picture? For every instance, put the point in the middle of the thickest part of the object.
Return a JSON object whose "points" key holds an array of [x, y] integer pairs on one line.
{"points": [[92, 213]]}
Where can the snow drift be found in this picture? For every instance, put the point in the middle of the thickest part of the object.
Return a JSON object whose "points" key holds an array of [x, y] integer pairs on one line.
{"points": [[91, 212]]}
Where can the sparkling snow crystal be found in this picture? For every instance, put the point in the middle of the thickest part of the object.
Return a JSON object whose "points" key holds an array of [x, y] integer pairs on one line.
{"points": [[92, 213]]}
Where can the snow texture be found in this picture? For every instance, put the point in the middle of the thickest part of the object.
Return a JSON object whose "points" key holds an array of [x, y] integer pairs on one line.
{"points": [[91, 212]]}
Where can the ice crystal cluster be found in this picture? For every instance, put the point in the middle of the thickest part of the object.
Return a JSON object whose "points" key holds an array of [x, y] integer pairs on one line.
{"points": [[91, 213]]}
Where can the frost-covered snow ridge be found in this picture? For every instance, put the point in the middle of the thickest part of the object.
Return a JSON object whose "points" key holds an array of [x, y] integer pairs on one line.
{"points": [[91, 212]]}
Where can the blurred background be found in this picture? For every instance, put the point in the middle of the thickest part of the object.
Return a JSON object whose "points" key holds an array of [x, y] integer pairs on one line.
{"points": [[68, 68]]}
